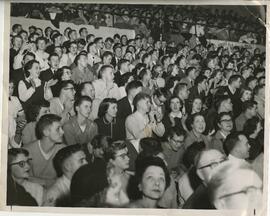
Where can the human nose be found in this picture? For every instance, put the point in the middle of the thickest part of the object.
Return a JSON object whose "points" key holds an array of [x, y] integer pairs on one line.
{"points": [[157, 182]]}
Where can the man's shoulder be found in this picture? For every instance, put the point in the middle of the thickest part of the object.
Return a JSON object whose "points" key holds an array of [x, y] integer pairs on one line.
{"points": [[70, 122], [131, 117], [32, 146], [59, 146], [123, 101], [98, 82]]}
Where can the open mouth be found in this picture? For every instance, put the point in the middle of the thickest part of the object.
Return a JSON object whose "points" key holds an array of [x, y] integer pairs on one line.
{"points": [[156, 191]]}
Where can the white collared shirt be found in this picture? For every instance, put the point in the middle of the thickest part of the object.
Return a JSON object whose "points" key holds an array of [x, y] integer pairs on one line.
{"points": [[235, 159]]}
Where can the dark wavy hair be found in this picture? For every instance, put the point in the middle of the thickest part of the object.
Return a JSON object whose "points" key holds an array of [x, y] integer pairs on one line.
{"points": [[141, 166], [104, 106]]}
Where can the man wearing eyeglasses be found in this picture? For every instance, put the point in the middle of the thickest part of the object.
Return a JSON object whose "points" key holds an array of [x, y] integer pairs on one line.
{"points": [[235, 186], [225, 125], [205, 162], [173, 149]]}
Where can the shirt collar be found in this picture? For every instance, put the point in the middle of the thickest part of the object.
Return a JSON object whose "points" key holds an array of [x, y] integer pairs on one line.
{"points": [[235, 159], [44, 154]]}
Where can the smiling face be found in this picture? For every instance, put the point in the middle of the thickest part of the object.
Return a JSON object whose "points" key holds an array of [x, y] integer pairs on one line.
{"points": [[226, 123], [175, 105], [153, 182], [199, 124], [176, 142], [197, 105], [66, 74]]}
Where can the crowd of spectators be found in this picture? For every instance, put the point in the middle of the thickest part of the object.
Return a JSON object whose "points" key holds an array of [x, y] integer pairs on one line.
{"points": [[133, 122], [154, 20]]}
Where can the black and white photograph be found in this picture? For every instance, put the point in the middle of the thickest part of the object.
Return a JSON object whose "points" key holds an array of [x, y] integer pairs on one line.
{"points": [[136, 105]]}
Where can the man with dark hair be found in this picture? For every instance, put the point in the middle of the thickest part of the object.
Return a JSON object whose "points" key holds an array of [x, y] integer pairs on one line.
{"points": [[18, 74], [225, 126], [57, 41], [17, 43], [90, 38], [92, 54], [181, 90], [233, 90], [105, 60], [80, 129], [158, 101], [191, 75], [108, 45], [16, 28], [99, 45], [81, 73], [81, 44], [105, 87], [123, 67], [70, 56], [66, 162], [125, 105], [83, 33], [142, 123], [249, 111], [50, 136], [49, 74], [173, 149], [41, 55], [236, 146], [199, 89], [117, 51]]}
